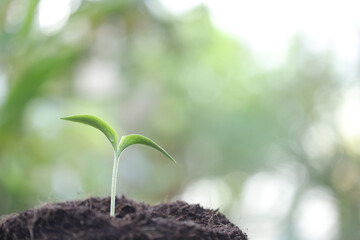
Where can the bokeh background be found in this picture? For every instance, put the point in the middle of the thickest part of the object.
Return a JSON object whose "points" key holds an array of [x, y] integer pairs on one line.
{"points": [[258, 101]]}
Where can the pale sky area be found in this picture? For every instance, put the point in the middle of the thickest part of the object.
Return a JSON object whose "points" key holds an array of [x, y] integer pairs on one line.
{"points": [[267, 26]]}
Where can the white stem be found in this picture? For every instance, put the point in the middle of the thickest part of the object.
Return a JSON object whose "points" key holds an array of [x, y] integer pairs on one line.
{"points": [[113, 185]]}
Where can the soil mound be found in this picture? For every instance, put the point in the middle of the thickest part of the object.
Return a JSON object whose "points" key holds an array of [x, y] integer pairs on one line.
{"points": [[89, 219]]}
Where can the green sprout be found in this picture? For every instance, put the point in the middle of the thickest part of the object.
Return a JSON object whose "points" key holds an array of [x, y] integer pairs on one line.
{"points": [[125, 142]]}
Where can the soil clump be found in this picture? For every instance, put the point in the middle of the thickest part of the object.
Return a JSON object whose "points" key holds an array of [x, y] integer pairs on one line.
{"points": [[89, 219]]}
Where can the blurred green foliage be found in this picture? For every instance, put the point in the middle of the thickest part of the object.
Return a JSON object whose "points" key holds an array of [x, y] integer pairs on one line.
{"points": [[199, 93]]}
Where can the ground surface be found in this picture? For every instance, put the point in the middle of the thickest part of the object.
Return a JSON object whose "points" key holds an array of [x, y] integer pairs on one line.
{"points": [[89, 219]]}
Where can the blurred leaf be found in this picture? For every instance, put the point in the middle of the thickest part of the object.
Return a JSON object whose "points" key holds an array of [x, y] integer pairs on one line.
{"points": [[29, 18], [27, 86]]}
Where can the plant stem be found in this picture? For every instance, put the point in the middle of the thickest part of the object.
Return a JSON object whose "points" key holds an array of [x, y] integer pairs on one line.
{"points": [[113, 185]]}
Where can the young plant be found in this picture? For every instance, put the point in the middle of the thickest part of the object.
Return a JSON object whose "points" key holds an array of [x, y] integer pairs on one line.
{"points": [[118, 147]]}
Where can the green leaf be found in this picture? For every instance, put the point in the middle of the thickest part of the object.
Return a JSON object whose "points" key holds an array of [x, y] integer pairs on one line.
{"points": [[131, 139], [97, 123]]}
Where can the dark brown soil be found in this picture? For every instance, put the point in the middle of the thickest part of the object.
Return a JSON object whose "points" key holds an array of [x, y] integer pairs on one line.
{"points": [[89, 219]]}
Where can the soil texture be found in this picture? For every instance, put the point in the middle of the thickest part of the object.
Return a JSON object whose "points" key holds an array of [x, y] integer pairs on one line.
{"points": [[89, 219]]}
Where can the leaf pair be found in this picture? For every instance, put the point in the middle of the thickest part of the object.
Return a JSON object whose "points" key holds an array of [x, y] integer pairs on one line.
{"points": [[125, 142], [113, 137]]}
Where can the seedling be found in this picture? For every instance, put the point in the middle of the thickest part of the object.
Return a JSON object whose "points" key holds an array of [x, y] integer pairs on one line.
{"points": [[118, 147]]}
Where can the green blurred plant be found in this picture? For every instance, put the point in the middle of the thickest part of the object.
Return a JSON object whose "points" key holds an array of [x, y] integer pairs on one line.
{"points": [[113, 137]]}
